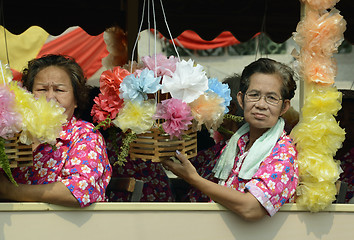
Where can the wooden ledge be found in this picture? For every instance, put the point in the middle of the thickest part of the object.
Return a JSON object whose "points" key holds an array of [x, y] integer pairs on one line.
{"points": [[142, 206]]}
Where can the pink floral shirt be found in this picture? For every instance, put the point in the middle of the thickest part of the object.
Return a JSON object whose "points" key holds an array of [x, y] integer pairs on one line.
{"points": [[275, 181], [80, 162]]}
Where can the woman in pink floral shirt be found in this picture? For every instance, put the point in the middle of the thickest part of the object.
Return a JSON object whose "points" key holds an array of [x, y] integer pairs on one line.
{"points": [[257, 170], [76, 171]]}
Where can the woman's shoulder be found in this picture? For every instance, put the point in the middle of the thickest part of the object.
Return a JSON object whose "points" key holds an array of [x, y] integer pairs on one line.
{"points": [[285, 139], [84, 124], [285, 144], [80, 127]]}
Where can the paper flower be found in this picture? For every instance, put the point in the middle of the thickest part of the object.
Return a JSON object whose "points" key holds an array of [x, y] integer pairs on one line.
{"points": [[105, 105], [321, 4], [316, 196], [41, 119], [136, 116], [10, 119], [222, 90], [108, 102], [187, 83], [208, 109], [317, 135], [321, 34], [165, 66], [110, 80], [136, 88], [177, 115], [318, 69]]}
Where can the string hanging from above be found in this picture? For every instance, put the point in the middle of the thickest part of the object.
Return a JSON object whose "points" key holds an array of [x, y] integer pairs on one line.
{"points": [[159, 102]]}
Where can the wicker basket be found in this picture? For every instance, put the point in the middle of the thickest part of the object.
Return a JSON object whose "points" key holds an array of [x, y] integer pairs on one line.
{"points": [[19, 155], [156, 146]]}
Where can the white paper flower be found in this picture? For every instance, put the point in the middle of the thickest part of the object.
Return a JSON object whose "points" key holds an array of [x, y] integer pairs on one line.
{"points": [[187, 83]]}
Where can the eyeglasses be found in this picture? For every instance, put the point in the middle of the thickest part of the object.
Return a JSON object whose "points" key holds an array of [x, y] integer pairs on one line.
{"points": [[271, 98]]}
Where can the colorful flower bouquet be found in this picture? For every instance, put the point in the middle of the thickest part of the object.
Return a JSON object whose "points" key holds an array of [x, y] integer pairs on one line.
{"points": [[24, 117], [163, 94]]}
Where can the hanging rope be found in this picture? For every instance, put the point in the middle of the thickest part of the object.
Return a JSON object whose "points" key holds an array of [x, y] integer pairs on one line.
{"points": [[137, 37], [168, 29]]}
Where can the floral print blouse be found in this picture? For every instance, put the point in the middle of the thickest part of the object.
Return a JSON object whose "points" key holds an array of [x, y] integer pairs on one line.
{"points": [[273, 184], [275, 181], [79, 160]]}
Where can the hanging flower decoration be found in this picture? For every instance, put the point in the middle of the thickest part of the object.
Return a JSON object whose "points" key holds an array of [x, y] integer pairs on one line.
{"points": [[165, 94], [137, 88], [208, 109], [318, 135], [110, 81], [136, 116], [21, 112], [108, 103], [161, 65], [106, 106], [177, 115], [222, 90], [187, 83], [10, 119]]}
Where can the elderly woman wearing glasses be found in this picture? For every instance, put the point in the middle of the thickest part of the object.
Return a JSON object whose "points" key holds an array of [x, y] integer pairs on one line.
{"points": [[257, 169]]}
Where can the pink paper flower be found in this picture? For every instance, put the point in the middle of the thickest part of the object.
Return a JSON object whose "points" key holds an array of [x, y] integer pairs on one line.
{"points": [[10, 119], [165, 66], [177, 115]]}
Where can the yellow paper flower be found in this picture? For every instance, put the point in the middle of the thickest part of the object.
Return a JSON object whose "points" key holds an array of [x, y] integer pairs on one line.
{"points": [[316, 196], [42, 120], [322, 99], [318, 167], [136, 116], [318, 132]]}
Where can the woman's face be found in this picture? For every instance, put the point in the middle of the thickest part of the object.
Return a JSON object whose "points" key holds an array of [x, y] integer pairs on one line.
{"points": [[54, 83], [260, 114]]}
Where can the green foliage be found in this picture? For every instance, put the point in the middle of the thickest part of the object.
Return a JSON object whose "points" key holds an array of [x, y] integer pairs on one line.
{"points": [[4, 161]]}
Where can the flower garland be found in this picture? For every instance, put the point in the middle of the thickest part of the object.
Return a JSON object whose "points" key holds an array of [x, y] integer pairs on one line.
{"points": [[21, 113], [318, 135], [190, 95]]}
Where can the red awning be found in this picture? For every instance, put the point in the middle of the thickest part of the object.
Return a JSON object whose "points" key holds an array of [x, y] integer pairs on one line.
{"points": [[87, 50]]}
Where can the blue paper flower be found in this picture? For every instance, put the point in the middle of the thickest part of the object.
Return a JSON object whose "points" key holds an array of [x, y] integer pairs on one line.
{"points": [[222, 90], [136, 88]]}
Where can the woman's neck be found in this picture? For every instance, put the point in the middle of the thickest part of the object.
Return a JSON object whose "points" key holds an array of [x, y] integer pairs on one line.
{"points": [[254, 135]]}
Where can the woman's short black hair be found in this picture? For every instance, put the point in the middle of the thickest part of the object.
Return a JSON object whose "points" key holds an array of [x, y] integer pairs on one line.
{"points": [[270, 66], [68, 64]]}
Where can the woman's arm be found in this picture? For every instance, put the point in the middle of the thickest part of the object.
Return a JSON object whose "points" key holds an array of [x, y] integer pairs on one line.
{"points": [[244, 204], [55, 193]]}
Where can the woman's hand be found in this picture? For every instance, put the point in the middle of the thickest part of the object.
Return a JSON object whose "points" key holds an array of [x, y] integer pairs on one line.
{"points": [[244, 204], [184, 169]]}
